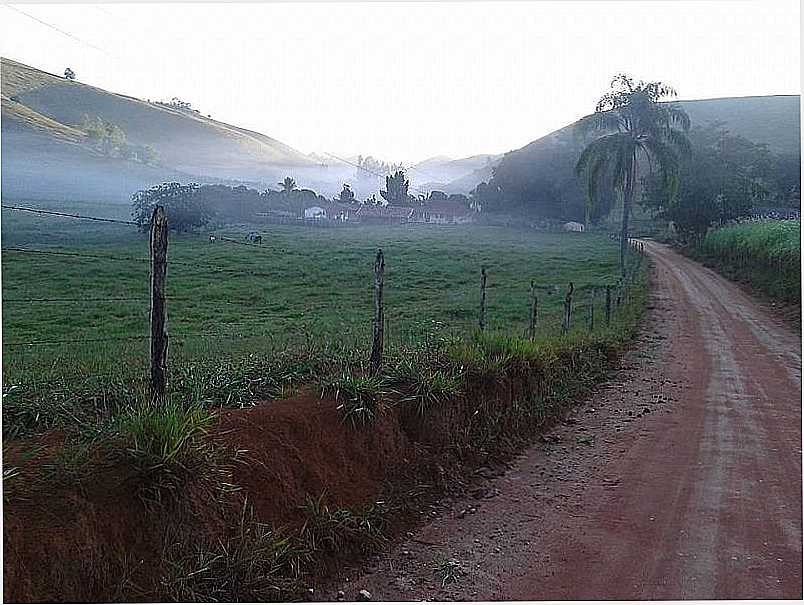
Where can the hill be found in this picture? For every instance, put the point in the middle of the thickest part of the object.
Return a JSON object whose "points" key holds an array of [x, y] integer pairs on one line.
{"points": [[772, 120], [44, 125], [442, 173]]}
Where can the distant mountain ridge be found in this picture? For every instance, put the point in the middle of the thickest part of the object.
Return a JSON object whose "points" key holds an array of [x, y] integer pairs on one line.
{"points": [[774, 120], [47, 152]]}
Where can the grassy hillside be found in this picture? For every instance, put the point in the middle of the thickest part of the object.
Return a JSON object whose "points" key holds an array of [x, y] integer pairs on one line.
{"points": [[773, 120], [42, 119]]}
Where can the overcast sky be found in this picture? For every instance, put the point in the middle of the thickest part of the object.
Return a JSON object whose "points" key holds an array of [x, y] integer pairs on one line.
{"points": [[405, 81]]}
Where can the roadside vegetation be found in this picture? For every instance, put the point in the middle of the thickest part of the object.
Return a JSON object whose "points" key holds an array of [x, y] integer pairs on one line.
{"points": [[80, 428], [457, 401], [764, 253]]}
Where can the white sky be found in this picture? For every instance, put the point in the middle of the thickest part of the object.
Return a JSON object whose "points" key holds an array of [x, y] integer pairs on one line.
{"points": [[405, 81]]}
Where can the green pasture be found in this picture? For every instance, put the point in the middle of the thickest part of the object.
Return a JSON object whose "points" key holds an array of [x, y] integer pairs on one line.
{"points": [[302, 286]]}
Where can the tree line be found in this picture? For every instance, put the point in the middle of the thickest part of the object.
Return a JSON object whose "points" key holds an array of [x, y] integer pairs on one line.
{"points": [[193, 206]]}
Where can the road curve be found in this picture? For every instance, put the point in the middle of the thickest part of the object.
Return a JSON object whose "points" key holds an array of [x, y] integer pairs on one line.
{"points": [[678, 479]]}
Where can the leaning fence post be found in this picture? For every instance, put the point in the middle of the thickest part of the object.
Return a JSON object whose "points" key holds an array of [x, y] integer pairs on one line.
{"points": [[159, 336], [376, 345], [482, 320], [568, 308], [608, 305], [533, 311]]}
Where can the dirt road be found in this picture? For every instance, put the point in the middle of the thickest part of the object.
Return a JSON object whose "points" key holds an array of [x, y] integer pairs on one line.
{"points": [[679, 479]]}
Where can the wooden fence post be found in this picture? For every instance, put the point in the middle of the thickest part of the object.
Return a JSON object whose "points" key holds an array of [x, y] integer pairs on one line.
{"points": [[568, 308], [592, 311], [533, 311], [482, 321], [608, 305], [159, 336], [378, 324]]}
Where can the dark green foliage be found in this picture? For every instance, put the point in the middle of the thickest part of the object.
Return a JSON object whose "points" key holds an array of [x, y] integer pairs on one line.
{"points": [[723, 178], [224, 202], [396, 189], [539, 181], [288, 184], [185, 212], [346, 196]]}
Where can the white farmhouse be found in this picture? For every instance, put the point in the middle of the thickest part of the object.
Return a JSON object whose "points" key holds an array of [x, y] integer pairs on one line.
{"points": [[315, 212]]}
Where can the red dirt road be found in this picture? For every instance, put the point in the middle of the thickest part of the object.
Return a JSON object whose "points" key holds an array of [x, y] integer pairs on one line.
{"points": [[678, 479]]}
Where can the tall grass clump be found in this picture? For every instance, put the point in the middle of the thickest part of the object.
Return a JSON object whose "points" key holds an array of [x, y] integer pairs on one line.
{"points": [[359, 397], [167, 446], [254, 562], [766, 254]]}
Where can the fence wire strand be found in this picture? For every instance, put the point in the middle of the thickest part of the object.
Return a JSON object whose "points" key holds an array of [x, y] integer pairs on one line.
{"points": [[69, 215]]}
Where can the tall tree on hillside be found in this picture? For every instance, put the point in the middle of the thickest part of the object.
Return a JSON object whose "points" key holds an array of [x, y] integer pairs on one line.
{"points": [[633, 129], [396, 188], [346, 196], [288, 184]]}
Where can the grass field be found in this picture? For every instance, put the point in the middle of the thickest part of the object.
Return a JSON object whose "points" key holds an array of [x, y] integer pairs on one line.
{"points": [[447, 396], [304, 289], [767, 254]]}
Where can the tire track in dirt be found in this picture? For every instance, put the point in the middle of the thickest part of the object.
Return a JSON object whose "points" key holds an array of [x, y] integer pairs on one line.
{"points": [[678, 479]]}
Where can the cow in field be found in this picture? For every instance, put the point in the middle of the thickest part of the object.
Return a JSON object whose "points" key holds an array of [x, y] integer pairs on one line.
{"points": [[254, 238], [573, 226]]}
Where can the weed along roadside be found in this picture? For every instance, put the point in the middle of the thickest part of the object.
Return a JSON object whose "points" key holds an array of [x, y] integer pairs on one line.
{"points": [[176, 498]]}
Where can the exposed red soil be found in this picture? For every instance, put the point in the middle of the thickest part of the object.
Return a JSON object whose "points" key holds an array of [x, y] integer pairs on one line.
{"points": [[679, 479], [300, 447], [91, 538]]}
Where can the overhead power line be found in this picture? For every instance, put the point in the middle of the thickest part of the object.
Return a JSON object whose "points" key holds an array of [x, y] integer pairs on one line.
{"points": [[56, 29], [364, 169]]}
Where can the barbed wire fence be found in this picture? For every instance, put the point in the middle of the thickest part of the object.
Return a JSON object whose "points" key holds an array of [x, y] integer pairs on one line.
{"points": [[604, 298]]}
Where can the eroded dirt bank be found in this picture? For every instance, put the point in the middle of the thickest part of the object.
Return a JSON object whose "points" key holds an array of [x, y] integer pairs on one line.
{"points": [[679, 479]]}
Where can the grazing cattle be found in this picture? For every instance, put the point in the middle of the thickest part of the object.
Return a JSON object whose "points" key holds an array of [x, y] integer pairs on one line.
{"points": [[572, 226], [254, 238], [211, 239]]}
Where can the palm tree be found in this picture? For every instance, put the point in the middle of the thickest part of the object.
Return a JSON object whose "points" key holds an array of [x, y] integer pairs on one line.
{"points": [[287, 184], [633, 129]]}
